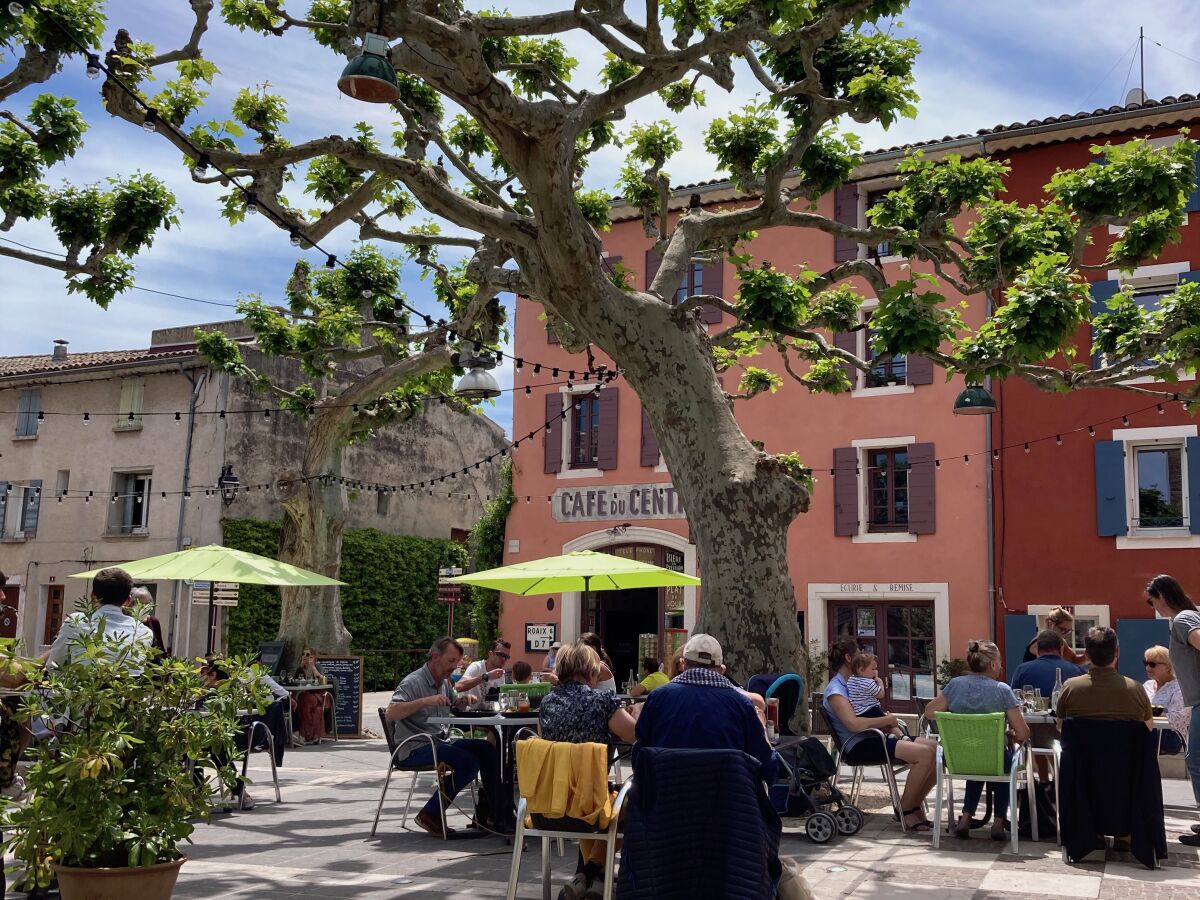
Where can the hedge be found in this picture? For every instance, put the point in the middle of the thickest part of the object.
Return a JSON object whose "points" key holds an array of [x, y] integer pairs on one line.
{"points": [[389, 603]]}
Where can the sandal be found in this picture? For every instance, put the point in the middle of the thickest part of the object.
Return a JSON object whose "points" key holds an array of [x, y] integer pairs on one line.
{"points": [[921, 824], [963, 831], [999, 831]]}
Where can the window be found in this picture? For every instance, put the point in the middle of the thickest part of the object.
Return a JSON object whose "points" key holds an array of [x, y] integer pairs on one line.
{"points": [[1144, 495], [874, 198], [1087, 616], [383, 502], [887, 489], [131, 403], [887, 372], [62, 483], [585, 432], [29, 407], [1158, 481], [19, 518], [129, 506], [693, 283]]}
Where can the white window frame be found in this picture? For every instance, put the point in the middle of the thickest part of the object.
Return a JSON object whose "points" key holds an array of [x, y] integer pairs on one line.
{"points": [[1097, 611], [864, 189], [865, 536], [860, 388], [1154, 538], [565, 472], [1159, 275], [134, 530]]}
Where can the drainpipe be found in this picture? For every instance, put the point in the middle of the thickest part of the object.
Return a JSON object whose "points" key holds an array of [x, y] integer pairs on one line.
{"points": [[197, 386], [989, 502]]}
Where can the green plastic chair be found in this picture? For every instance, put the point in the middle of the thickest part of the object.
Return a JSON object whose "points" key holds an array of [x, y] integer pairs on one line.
{"points": [[972, 749]]}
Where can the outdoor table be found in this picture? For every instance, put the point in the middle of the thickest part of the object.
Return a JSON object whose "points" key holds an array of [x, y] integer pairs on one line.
{"points": [[300, 689], [506, 727], [1161, 723]]}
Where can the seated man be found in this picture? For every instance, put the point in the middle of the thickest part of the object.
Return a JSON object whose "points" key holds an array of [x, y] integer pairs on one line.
{"points": [[652, 677], [1042, 672], [485, 674], [427, 691], [701, 709], [1104, 693]]}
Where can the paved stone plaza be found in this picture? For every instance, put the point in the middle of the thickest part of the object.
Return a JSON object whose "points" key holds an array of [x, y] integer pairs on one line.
{"points": [[316, 844]]}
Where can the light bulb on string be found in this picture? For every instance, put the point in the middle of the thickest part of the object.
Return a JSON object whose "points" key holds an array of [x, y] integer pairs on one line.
{"points": [[966, 460], [1058, 439], [178, 417], [93, 66], [330, 261], [1124, 420], [15, 9], [1027, 446], [150, 123], [86, 418], [295, 238], [251, 203], [995, 454], [200, 169], [367, 293], [1091, 431], [1160, 409]]}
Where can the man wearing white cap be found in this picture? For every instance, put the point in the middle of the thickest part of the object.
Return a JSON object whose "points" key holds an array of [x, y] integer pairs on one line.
{"points": [[701, 709]]}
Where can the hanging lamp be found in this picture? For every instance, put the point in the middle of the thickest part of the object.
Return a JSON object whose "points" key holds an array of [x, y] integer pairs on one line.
{"points": [[370, 77]]}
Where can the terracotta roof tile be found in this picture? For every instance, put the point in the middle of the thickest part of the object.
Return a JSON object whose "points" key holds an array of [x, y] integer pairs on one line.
{"points": [[35, 365]]}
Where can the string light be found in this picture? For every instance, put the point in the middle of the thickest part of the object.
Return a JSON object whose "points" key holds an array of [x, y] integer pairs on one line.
{"points": [[200, 169], [251, 203], [1027, 446], [1058, 439], [150, 123], [93, 66], [1091, 431]]}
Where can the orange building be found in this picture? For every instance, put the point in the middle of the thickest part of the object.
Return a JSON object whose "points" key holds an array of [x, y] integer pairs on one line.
{"points": [[896, 549]]}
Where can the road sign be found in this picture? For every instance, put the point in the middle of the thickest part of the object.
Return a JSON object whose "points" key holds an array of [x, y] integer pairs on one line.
{"points": [[224, 593]]}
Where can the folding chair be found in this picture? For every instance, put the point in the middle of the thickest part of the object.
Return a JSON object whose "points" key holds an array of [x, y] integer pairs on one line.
{"points": [[398, 752], [972, 749], [889, 767], [569, 829]]}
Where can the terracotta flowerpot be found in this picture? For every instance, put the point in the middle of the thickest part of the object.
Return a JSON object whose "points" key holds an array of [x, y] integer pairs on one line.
{"points": [[155, 882]]}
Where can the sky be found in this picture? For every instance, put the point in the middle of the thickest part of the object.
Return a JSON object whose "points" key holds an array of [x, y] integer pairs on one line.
{"points": [[983, 64]]}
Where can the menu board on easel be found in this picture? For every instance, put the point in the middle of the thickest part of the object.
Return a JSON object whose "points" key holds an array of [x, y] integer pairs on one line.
{"points": [[345, 673]]}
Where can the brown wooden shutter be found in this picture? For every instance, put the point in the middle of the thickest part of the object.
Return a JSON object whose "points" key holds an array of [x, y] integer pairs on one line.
{"points": [[653, 261], [848, 341], [650, 450], [606, 451], [845, 210], [922, 507], [920, 370], [551, 337], [845, 491], [714, 275], [553, 458]]}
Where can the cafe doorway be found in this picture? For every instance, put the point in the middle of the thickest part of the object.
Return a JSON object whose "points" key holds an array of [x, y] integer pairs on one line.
{"points": [[635, 623], [901, 635]]}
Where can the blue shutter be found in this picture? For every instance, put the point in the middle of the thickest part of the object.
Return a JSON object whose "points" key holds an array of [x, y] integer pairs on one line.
{"points": [[1193, 200], [1193, 468], [4, 497], [29, 404], [1189, 276], [1110, 489], [29, 515], [1102, 292]]}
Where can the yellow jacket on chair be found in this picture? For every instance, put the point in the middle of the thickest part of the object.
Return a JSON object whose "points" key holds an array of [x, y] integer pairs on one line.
{"points": [[560, 779]]}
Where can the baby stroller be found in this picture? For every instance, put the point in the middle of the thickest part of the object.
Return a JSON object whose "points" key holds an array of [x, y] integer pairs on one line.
{"points": [[810, 792]]}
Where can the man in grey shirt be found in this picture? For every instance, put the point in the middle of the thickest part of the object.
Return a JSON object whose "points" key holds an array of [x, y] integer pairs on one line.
{"points": [[427, 692]]}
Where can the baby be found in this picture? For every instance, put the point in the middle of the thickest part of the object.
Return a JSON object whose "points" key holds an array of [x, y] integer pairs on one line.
{"points": [[865, 687]]}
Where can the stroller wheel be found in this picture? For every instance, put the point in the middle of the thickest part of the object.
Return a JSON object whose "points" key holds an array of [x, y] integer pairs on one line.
{"points": [[820, 827], [849, 820]]}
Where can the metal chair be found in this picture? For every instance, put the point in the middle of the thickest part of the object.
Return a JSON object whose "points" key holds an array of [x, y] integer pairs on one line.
{"points": [[394, 765], [252, 728], [972, 749], [574, 830], [889, 767]]}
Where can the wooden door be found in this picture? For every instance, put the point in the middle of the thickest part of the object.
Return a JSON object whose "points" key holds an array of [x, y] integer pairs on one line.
{"points": [[8, 612], [55, 600], [901, 635]]}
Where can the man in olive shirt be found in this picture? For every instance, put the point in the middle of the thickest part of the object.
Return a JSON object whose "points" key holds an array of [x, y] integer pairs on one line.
{"points": [[1103, 692]]}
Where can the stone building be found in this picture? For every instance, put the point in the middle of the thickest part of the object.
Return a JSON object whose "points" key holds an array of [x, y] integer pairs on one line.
{"points": [[112, 456]]}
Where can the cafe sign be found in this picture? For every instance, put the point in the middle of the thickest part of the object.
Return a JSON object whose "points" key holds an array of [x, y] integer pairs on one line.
{"points": [[616, 502]]}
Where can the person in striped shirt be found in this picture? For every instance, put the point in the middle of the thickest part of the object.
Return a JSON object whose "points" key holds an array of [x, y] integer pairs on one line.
{"points": [[865, 688]]}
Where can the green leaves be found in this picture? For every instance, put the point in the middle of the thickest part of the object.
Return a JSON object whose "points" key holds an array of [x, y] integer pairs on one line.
{"points": [[594, 206], [745, 143], [615, 70], [755, 380], [535, 64], [258, 110], [910, 322], [771, 300]]}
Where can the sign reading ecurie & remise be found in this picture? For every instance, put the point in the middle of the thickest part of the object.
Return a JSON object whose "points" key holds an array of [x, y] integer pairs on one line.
{"points": [[619, 502]]}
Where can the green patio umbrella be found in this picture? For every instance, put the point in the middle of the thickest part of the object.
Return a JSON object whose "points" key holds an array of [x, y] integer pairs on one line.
{"points": [[583, 570], [215, 563]]}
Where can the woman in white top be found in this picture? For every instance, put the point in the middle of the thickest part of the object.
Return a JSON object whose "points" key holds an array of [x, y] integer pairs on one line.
{"points": [[608, 681], [1163, 689]]}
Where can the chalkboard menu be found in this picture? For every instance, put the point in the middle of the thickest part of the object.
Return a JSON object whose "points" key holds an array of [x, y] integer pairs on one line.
{"points": [[270, 654], [345, 673]]}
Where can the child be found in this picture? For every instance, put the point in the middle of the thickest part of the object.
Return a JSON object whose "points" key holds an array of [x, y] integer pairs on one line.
{"points": [[865, 687], [522, 672]]}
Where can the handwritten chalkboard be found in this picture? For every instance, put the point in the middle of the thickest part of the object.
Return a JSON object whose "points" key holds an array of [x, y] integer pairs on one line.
{"points": [[270, 654], [345, 673]]}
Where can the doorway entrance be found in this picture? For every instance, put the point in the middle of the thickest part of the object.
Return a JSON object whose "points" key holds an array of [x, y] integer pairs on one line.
{"points": [[901, 635], [10, 598]]}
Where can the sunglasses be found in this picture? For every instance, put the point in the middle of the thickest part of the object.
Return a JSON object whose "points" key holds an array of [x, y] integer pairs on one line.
{"points": [[1150, 664], [503, 656]]}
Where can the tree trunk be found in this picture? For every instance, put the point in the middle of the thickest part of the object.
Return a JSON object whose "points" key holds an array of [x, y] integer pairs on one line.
{"points": [[314, 518]]}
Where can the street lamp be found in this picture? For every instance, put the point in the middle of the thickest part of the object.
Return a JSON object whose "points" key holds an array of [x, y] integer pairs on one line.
{"points": [[975, 400], [370, 76], [478, 383], [228, 484]]}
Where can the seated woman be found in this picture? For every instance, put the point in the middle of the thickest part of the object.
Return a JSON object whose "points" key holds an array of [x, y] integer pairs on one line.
{"points": [[982, 691], [311, 705], [576, 712], [1163, 690], [859, 749]]}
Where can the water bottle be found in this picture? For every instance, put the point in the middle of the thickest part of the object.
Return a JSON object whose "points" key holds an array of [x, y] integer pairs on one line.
{"points": [[1057, 692]]}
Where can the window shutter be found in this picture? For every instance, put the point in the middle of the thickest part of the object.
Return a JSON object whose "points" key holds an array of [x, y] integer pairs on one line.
{"points": [[714, 284], [554, 408], [1102, 292], [1189, 276], [848, 341], [1193, 200], [551, 337], [606, 450], [1193, 466], [29, 511], [845, 491], [922, 501], [1110, 489], [653, 261], [920, 370], [650, 450], [29, 403], [6, 498], [845, 211], [131, 401]]}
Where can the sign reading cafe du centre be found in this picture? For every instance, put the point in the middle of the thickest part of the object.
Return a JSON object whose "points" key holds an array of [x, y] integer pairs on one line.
{"points": [[619, 502]]}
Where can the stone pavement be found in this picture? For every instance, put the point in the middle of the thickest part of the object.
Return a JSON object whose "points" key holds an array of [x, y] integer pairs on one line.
{"points": [[316, 844]]}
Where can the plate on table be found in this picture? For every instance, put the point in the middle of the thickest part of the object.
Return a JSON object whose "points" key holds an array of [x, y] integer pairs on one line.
{"points": [[515, 714]]}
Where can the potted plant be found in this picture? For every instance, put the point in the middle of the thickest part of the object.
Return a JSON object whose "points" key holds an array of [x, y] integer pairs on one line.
{"points": [[114, 794]]}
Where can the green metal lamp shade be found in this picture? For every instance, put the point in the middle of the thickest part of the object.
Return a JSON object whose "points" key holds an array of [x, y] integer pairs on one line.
{"points": [[975, 401], [370, 77]]}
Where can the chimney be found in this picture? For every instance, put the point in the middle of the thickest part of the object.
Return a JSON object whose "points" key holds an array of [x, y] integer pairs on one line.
{"points": [[60, 349]]}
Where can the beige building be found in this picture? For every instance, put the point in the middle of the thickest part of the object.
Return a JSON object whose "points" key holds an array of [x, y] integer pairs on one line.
{"points": [[91, 442]]}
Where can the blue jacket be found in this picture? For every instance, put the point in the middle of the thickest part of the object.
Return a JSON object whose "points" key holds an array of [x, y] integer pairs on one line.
{"points": [[699, 824], [1040, 673]]}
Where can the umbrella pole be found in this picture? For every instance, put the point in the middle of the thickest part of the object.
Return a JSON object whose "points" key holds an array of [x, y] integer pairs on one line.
{"points": [[587, 594], [212, 617]]}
